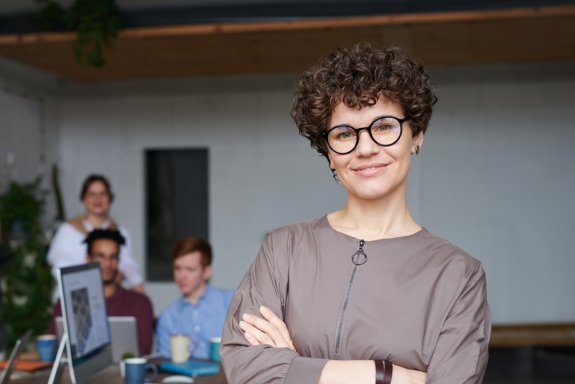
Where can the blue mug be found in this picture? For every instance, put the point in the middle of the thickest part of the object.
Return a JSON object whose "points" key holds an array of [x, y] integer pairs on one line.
{"points": [[135, 370], [46, 347]]}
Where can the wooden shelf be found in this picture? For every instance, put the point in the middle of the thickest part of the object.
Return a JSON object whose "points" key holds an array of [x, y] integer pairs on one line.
{"points": [[533, 335], [519, 35]]}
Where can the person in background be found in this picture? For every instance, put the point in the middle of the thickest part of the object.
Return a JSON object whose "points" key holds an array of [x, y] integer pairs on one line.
{"points": [[363, 294], [103, 246], [66, 247], [200, 312]]}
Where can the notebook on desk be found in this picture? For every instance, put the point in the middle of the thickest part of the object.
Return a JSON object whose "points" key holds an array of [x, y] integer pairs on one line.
{"points": [[191, 367]]}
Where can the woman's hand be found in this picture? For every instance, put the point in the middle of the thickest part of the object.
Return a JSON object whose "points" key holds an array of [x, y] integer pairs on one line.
{"points": [[407, 376], [270, 330]]}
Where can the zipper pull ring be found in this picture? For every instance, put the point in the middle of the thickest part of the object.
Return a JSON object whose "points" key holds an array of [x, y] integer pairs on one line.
{"points": [[359, 257]]}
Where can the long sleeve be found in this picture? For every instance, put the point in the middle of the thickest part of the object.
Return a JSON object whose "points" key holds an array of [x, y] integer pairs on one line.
{"points": [[65, 249], [264, 284], [163, 330], [145, 319], [461, 353]]}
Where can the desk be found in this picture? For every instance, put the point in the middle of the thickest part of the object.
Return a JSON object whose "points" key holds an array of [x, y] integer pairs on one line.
{"points": [[111, 375]]}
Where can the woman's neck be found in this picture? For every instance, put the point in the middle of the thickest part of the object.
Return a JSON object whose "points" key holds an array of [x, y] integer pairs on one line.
{"points": [[374, 219], [96, 220]]}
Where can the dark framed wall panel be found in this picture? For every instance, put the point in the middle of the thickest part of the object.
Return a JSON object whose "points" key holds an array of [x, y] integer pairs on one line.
{"points": [[177, 204]]}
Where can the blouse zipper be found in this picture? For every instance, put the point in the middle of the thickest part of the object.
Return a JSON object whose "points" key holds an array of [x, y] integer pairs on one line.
{"points": [[358, 258]]}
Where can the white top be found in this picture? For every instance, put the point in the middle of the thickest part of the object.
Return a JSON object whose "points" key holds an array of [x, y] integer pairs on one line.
{"points": [[67, 248]]}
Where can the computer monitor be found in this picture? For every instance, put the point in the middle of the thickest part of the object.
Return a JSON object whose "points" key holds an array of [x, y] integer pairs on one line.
{"points": [[88, 342]]}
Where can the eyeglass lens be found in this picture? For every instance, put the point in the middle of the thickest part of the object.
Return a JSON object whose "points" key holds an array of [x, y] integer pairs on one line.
{"points": [[384, 131]]}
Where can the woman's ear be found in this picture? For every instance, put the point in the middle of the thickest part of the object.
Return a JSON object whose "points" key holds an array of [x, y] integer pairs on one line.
{"points": [[417, 143]]}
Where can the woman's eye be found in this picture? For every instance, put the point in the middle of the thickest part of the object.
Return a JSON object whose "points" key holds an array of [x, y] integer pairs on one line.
{"points": [[344, 133], [382, 127]]}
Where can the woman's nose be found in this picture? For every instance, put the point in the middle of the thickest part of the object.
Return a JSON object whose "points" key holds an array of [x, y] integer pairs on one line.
{"points": [[366, 145]]}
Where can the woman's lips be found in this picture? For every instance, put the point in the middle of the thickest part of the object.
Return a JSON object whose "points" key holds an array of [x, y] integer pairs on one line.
{"points": [[369, 169]]}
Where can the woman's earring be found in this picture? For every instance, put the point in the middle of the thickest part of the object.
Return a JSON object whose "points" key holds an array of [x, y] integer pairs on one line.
{"points": [[334, 175], [416, 150]]}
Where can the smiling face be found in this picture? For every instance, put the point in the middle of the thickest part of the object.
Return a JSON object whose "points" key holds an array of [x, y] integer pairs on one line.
{"points": [[371, 171], [97, 199], [190, 275]]}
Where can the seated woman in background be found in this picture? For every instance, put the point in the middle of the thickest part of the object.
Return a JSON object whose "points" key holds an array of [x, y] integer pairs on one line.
{"points": [[201, 310], [364, 294], [67, 248]]}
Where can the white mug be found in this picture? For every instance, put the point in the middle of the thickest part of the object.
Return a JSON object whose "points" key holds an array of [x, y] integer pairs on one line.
{"points": [[180, 348]]}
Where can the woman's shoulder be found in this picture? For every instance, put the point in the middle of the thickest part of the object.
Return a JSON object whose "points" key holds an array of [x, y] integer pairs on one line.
{"points": [[290, 238], [67, 229], [441, 250], [298, 227]]}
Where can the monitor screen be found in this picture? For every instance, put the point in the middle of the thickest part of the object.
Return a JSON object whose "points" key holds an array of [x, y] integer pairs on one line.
{"points": [[86, 323]]}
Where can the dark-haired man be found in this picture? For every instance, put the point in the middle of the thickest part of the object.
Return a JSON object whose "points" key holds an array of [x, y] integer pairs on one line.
{"points": [[103, 246]]}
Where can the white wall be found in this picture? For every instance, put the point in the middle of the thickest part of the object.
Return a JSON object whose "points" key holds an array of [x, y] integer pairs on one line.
{"points": [[499, 181], [28, 127], [495, 176]]}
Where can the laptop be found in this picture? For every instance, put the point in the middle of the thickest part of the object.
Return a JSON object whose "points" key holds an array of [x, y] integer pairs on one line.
{"points": [[14, 356], [123, 333]]}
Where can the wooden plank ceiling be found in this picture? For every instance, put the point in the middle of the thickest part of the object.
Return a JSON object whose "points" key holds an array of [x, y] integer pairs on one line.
{"points": [[451, 38]]}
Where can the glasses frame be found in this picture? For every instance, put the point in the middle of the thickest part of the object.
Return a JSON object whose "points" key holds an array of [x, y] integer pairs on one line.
{"points": [[325, 134]]}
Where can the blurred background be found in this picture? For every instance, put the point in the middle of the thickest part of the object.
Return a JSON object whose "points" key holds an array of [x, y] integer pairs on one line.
{"points": [[495, 176]]}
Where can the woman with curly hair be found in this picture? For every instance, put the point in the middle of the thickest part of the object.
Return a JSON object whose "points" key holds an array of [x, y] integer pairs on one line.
{"points": [[364, 294]]}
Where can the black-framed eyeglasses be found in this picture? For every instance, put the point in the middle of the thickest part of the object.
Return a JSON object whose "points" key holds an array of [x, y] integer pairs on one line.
{"points": [[384, 131]]}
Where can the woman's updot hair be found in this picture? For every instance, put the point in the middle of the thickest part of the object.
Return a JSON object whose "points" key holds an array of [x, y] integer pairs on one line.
{"points": [[92, 179], [191, 244], [358, 76]]}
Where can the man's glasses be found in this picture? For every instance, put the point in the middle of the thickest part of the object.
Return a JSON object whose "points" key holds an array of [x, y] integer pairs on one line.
{"points": [[384, 131]]}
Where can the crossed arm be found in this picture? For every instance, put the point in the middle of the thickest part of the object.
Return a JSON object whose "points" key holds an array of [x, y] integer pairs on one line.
{"points": [[271, 330]]}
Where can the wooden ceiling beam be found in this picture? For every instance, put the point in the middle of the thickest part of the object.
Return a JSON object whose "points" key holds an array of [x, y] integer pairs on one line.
{"points": [[452, 38]]}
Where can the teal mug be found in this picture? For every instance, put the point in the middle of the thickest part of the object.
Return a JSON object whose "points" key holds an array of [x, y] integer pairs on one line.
{"points": [[215, 343]]}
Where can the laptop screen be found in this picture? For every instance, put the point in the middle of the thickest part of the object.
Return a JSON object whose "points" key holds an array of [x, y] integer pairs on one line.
{"points": [[86, 323], [123, 333], [13, 359]]}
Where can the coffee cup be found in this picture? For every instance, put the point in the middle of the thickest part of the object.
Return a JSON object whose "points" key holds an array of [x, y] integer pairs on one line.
{"points": [[180, 348], [215, 343], [46, 347], [136, 369]]}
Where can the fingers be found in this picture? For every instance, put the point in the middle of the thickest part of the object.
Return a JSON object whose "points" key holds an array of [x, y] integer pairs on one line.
{"points": [[252, 327], [263, 330], [270, 330], [278, 324]]}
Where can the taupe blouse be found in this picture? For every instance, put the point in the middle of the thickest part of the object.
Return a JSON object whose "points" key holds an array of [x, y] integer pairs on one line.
{"points": [[417, 301]]}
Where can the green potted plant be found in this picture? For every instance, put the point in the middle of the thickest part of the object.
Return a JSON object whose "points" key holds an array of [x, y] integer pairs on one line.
{"points": [[26, 284], [96, 23]]}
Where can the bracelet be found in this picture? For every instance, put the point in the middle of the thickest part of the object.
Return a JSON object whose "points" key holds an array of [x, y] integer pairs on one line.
{"points": [[379, 372], [383, 371], [388, 372]]}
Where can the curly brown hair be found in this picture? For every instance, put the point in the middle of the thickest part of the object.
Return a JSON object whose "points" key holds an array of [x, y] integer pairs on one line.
{"points": [[358, 76]]}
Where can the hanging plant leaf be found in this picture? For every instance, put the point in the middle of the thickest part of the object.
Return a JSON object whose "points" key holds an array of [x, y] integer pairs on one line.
{"points": [[96, 23]]}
